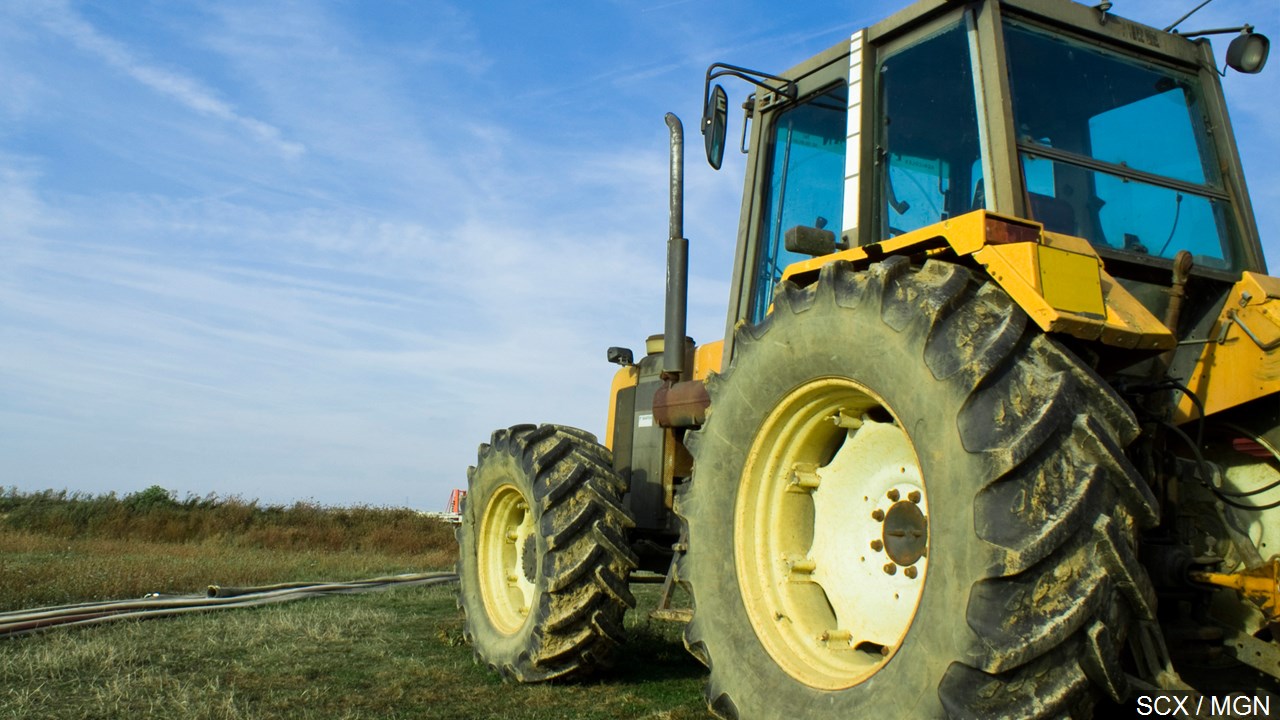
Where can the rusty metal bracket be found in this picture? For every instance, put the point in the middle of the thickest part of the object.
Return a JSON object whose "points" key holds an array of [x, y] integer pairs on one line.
{"points": [[664, 611], [1251, 651]]}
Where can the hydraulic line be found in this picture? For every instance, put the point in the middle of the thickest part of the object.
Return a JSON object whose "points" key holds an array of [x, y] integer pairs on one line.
{"points": [[21, 622]]}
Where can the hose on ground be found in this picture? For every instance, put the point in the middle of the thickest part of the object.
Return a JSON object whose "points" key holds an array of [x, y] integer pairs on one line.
{"points": [[21, 622]]}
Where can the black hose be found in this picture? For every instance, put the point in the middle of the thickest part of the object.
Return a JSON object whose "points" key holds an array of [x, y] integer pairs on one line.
{"points": [[21, 622], [1225, 496]]}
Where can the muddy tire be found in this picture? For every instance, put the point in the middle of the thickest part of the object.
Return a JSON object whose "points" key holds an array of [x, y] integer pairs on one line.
{"points": [[543, 557], [908, 503]]}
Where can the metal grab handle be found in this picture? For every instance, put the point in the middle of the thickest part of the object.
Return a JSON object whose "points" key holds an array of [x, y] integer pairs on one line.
{"points": [[1234, 317]]}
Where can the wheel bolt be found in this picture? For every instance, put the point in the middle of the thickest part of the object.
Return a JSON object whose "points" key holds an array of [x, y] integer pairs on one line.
{"points": [[802, 566], [914, 496], [894, 495], [877, 515], [890, 569], [836, 636], [877, 545], [910, 572]]}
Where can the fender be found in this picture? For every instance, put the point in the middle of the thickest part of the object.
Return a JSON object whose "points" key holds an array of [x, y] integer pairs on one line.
{"points": [[1057, 279]]}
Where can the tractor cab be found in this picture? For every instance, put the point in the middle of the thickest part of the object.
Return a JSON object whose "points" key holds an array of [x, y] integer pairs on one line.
{"points": [[1091, 125]]}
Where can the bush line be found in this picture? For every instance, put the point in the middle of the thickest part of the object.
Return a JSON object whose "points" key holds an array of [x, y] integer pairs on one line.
{"points": [[157, 515]]}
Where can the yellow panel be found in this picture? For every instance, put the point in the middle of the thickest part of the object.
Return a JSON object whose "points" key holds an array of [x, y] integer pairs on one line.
{"points": [[623, 379], [1016, 269], [1259, 286], [1246, 363], [1071, 281], [707, 359], [1070, 243], [1129, 323], [1262, 321]]}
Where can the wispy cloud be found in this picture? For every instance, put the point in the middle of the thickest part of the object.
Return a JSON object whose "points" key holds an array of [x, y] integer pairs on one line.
{"points": [[175, 85], [318, 254]]}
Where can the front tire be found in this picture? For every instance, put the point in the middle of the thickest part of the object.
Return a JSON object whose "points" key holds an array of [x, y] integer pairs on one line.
{"points": [[543, 558], [908, 503]]}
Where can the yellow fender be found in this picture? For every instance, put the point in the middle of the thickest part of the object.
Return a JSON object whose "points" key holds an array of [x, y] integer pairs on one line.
{"points": [[1057, 279]]}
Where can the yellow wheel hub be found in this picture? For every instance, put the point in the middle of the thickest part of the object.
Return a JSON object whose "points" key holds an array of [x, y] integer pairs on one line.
{"points": [[831, 534], [505, 555]]}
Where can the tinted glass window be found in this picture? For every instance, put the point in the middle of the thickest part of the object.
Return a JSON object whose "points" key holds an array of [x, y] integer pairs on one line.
{"points": [[805, 181], [1116, 150], [931, 169]]}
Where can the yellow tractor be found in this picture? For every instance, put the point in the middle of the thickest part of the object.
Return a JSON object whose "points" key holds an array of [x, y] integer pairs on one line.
{"points": [[994, 428]]}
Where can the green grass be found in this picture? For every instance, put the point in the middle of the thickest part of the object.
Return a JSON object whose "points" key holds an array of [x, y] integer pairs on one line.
{"points": [[392, 654]]}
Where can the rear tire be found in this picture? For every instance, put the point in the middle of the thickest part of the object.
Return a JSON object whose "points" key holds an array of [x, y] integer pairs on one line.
{"points": [[543, 558], [906, 502]]}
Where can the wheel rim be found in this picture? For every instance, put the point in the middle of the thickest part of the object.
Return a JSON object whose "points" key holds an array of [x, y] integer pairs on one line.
{"points": [[831, 534], [505, 554], [1255, 471]]}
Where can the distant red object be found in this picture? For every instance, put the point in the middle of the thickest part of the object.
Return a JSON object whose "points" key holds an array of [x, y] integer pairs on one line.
{"points": [[1244, 445], [455, 501]]}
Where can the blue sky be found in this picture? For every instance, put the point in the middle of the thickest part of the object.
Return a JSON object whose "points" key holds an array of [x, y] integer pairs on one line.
{"points": [[321, 250]]}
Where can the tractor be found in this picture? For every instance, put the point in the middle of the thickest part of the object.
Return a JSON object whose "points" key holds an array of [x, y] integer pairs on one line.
{"points": [[994, 427]]}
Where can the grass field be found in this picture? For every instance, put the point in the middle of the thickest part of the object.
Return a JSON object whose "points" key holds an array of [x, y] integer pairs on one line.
{"points": [[393, 654]]}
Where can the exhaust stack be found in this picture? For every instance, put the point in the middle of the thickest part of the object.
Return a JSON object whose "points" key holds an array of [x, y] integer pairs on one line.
{"points": [[677, 303]]}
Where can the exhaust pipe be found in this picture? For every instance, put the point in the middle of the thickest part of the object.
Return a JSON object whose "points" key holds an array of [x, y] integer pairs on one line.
{"points": [[677, 303]]}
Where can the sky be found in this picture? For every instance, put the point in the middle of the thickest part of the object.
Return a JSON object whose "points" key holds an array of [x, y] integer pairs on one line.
{"points": [[320, 251]]}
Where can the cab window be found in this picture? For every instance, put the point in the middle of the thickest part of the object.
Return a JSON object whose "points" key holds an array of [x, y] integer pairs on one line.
{"points": [[1117, 150], [930, 167], [805, 183]]}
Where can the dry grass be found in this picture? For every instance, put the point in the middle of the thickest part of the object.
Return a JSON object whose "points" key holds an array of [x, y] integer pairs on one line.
{"points": [[40, 570], [154, 515], [57, 549]]}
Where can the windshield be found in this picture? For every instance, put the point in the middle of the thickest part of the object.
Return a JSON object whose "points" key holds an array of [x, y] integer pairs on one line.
{"points": [[1116, 150]]}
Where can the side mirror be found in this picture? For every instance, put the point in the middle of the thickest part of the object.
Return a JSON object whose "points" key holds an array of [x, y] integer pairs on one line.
{"points": [[715, 119], [1248, 52]]}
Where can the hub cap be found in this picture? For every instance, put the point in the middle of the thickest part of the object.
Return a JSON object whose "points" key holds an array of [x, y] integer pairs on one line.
{"points": [[831, 534]]}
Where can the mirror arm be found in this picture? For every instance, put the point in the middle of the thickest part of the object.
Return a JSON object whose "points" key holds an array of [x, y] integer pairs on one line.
{"points": [[1246, 29], [786, 88]]}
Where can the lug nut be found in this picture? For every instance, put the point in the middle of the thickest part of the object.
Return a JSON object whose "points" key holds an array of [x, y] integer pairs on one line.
{"points": [[911, 572], [894, 495], [914, 496], [877, 545], [890, 569], [877, 515]]}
